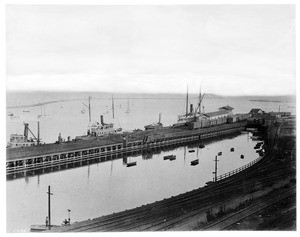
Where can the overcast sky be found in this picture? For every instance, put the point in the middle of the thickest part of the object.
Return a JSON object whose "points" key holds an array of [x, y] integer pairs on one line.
{"points": [[226, 49]]}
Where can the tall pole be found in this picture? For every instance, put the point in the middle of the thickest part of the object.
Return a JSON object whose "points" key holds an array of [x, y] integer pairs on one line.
{"points": [[216, 169], [49, 212], [90, 114], [187, 101], [200, 102], [38, 135]]}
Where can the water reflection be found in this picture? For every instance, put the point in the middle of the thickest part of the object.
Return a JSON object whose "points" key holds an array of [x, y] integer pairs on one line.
{"points": [[103, 186]]}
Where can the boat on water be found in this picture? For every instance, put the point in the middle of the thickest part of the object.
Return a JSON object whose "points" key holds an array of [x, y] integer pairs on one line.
{"points": [[220, 153], [192, 115], [98, 129], [201, 146], [195, 162], [130, 164], [43, 112], [172, 158], [23, 140], [128, 109], [153, 126], [191, 151], [169, 157]]}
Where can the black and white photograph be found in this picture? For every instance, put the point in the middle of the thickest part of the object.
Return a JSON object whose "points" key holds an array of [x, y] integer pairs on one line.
{"points": [[124, 117]]}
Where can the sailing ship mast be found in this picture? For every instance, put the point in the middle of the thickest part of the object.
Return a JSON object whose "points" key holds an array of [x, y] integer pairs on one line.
{"points": [[187, 101], [201, 97], [89, 108], [128, 110], [113, 107]]}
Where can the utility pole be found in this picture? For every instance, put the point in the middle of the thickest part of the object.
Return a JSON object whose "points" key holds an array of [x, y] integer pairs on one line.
{"points": [[49, 212], [216, 169]]}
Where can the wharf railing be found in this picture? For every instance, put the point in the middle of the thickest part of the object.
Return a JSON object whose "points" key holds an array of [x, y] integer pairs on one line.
{"points": [[233, 172]]}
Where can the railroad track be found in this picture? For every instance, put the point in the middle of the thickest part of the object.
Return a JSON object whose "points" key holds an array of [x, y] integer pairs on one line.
{"points": [[163, 214], [230, 220]]}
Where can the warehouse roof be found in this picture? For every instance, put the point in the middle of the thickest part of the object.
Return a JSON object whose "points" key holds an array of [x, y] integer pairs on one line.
{"points": [[216, 113]]}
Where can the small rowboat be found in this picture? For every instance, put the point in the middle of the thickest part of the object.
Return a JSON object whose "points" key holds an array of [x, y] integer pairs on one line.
{"points": [[131, 164], [168, 157], [195, 162]]}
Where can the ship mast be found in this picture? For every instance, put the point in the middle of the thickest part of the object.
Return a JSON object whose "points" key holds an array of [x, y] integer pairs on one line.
{"points": [[201, 97], [187, 101], [113, 107], [90, 114], [89, 107]]}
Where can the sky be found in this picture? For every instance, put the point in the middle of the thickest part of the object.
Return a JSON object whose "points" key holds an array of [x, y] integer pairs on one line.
{"points": [[224, 49]]}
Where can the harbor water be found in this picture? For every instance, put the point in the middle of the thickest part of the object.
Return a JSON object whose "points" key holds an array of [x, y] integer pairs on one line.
{"points": [[103, 188]]}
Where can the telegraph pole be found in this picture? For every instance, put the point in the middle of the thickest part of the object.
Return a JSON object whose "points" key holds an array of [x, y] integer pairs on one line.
{"points": [[49, 212], [216, 169]]}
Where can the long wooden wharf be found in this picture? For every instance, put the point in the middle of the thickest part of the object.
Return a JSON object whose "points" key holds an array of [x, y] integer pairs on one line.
{"points": [[48, 155]]}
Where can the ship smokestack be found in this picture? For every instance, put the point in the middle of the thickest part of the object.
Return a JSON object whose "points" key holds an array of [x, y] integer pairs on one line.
{"points": [[26, 131], [101, 119], [59, 138], [191, 108]]}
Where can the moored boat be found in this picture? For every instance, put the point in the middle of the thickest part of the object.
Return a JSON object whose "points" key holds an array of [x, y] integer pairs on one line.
{"points": [[195, 162], [131, 164], [168, 157]]}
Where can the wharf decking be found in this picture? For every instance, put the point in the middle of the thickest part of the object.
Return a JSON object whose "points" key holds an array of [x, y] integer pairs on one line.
{"points": [[20, 159]]}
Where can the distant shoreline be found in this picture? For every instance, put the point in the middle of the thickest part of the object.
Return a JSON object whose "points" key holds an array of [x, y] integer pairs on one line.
{"points": [[118, 98], [275, 101], [34, 105]]}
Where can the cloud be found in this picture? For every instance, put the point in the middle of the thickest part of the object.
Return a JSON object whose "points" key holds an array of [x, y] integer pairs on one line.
{"points": [[151, 48]]}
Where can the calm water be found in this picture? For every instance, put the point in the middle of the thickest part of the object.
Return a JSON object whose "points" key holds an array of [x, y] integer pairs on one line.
{"points": [[103, 188], [66, 117]]}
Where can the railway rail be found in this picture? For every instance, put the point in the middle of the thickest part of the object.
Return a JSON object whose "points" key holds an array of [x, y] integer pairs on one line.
{"points": [[264, 203], [164, 214]]}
